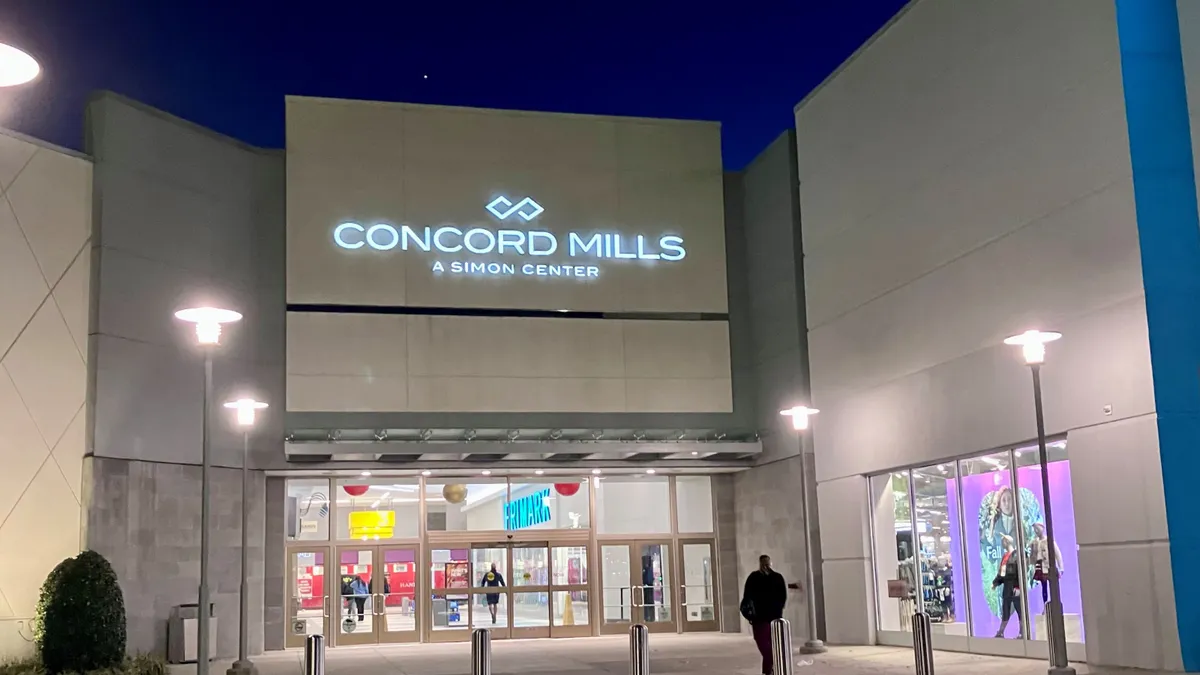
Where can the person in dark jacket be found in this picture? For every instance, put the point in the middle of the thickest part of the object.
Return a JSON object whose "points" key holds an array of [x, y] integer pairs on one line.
{"points": [[763, 601], [1008, 578]]}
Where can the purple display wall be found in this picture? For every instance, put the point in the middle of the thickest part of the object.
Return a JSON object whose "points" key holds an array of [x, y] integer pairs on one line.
{"points": [[989, 509]]}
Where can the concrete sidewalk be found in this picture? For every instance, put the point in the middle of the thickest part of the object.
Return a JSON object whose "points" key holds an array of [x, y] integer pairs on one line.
{"points": [[696, 654]]}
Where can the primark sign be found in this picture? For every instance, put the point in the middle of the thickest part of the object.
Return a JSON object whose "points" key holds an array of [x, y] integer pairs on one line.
{"points": [[513, 250]]}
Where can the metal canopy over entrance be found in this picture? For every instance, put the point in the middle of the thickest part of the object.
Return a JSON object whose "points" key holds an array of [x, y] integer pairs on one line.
{"points": [[705, 449]]}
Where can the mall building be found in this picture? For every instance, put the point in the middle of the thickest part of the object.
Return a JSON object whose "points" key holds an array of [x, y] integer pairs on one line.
{"points": [[525, 370], [510, 360], [976, 170]]}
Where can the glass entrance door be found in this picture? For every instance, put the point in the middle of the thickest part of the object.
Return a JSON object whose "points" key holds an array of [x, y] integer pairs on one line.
{"points": [[376, 597], [521, 589], [309, 596], [450, 593], [530, 599], [569, 615], [698, 588], [491, 586], [636, 586]]}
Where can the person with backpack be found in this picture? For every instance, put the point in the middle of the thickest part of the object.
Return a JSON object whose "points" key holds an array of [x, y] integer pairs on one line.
{"points": [[763, 600]]}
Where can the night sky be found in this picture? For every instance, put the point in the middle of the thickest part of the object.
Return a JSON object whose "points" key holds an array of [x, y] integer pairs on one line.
{"points": [[227, 64]]}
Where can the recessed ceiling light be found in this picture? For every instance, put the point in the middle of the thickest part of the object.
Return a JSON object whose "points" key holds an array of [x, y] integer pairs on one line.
{"points": [[649, 470], [694, 453], [538, 472], [486, 472], [596, 472], [366, 474], [427, 473]]}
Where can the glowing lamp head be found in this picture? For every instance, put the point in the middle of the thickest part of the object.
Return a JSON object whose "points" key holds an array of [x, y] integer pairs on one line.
{"points": [[208, 322], [16, 67], [1033, 344], [799, 415], [246, 410]]}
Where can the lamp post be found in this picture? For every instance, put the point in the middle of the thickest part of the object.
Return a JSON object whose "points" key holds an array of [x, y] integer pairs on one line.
{"points": [[208, 321], [16, 66], [247, 409], [800, 415], [1033, 349]]}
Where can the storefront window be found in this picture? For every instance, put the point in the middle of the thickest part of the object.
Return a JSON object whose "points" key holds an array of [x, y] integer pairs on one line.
{"points": [[637, 504], [693, 504], [1062, 505], [939, 548], [895, 550], [561, 505], [308, 509], [993, 534], [378, 509], [461, 506]]}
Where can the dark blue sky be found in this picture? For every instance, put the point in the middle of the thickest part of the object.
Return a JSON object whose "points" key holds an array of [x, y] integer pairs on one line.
{"points": [[226, 64]]}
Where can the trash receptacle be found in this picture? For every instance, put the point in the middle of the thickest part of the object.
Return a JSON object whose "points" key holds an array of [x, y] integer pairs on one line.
{"points": [[183, 639]]}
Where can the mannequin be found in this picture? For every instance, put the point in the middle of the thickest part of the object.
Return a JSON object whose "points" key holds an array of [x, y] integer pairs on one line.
{"points": [[1039, 555], [1009, 577]]}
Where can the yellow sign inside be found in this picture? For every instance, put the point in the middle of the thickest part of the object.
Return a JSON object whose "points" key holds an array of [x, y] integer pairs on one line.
{"points": [[372, 524]]}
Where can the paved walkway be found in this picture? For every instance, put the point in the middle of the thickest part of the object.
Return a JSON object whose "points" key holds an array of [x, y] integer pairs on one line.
{"points": [[673, 654]]}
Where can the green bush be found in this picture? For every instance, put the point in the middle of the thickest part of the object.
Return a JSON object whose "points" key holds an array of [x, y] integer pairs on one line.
{"points": [[142, 664], [80, 625]]}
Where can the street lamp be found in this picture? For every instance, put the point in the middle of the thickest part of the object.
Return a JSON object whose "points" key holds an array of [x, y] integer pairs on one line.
{"points": [[800, 415], [16, 66], [208, 321], [247, 409], [1033, 349]]}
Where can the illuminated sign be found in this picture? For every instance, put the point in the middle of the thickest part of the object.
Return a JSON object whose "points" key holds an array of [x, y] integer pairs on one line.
{"points": [[583, 248], [527, 511], [502, 208]]}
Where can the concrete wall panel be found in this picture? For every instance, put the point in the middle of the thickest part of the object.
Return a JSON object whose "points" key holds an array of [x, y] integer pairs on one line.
{"points": [[45, 230]]}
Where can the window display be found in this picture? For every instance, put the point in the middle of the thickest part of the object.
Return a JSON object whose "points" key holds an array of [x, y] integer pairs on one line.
{"points": [[970, 547], [1062, 505], [941, 579]]}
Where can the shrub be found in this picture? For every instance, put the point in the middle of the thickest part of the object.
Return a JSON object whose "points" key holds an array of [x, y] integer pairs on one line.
{"points": [[142, 664], [81, 617]]}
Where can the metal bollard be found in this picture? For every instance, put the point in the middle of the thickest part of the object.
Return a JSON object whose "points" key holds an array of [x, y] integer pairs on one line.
{"points": [[314, 655], [923, 643], [481, 652], [781, 646], [639, 650]]}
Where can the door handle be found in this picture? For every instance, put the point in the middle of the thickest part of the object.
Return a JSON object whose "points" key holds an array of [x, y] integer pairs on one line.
{"points": [[325, 606], [378, 606]]}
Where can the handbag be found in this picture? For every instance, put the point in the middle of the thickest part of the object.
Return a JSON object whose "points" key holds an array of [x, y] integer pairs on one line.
{"points": [[747, 609]]}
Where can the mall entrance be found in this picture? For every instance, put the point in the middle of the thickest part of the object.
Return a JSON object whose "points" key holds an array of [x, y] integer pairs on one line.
{"points": [[521, 589], [400, 559]]}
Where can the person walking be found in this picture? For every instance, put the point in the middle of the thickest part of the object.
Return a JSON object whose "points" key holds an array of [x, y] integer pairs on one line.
{"points": [[1008, 579], [493, 579], [360, 591], [763, 601]]}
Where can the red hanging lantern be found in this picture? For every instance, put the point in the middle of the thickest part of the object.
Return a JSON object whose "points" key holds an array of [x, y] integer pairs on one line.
{"points": [[566, 489], [356, 490]]}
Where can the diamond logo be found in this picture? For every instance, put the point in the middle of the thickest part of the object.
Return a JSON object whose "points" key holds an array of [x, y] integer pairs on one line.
{"points": [[502, 207]]}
